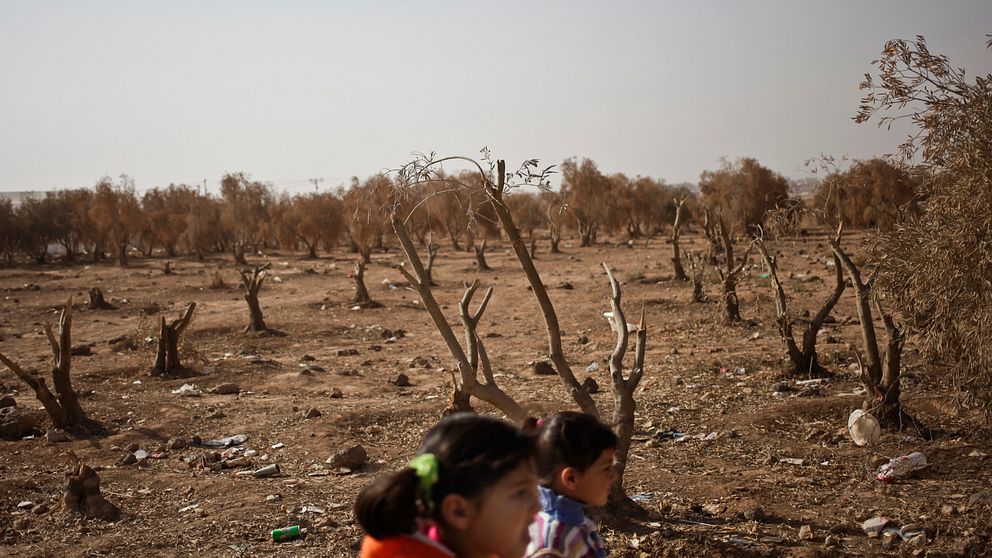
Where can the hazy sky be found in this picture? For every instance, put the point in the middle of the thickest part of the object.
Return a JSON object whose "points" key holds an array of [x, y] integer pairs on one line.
{"points": [[185, 91]]}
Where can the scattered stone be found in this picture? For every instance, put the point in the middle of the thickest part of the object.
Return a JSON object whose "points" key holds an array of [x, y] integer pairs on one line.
{"points": [[81, 350], [805, 533], [590, 385], [948, 509], [216, 415], [307, 358], [312, 412], [40, 509], [336, 394], [273, 498], [544, 368], [583, 340], [401, 380], [832, 541], [566, 286], [754, 514], [176, 443], [354, 457], [128, 459], [16, 423], [226, 389], [347, 352], [306, 372], [419, 362], [25, 505], [56, 436]]}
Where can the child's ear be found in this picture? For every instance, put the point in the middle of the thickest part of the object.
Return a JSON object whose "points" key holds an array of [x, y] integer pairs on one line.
{"points": [[457, 511], [568, 477]]}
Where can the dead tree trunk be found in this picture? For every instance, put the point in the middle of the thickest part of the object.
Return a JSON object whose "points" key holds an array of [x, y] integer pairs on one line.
{"points": [[728, 277], [167, 361], [533, 248], [712, 237], [676, 235], [217, 281], [63, 406], [805, 360], [239, 253], [881, 379], [366, 252], [480, 257], [252, 284], [82, 492], [697, 270], [623, 387], [432, 249], [122, 259], [486, 390], [555, 352], [168, 268], [97, 301], [362, 297]]}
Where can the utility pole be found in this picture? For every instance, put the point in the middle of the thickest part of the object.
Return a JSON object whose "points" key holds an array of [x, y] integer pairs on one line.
{"points": [[315, 182]]}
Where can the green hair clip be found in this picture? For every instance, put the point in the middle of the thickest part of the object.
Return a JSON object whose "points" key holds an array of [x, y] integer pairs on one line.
{"points": [[426, 467]]}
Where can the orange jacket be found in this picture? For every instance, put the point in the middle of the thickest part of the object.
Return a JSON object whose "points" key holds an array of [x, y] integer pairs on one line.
{"points": [[412, 546]]}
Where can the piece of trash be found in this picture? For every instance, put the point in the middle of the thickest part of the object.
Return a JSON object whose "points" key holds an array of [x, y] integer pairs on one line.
{"points": [[312, 509], [900, 467], [873, 527], [190, 507], [159, 455], [279, 445], [25, 504], [187, 390], [225, 442], [792, 460], [140, 454], [136, 382], [710, 437], [286, 533], [863, 427], [670, 434], [977, 453], [813, 382], [642, 496], [806, 533], [267, 471], [592, 367]]}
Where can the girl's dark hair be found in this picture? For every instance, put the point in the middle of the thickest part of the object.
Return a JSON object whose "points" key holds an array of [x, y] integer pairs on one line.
{"points": [[570, 439], [473, 452]]}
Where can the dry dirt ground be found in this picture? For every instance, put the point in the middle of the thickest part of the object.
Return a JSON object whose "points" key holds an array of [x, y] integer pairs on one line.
{"points": [[701, 377]]}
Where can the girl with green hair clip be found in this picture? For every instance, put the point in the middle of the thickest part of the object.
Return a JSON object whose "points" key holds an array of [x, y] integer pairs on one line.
{"points": [[471, 492]]}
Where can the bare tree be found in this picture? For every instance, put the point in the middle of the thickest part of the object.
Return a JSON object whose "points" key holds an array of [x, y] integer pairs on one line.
{"points": [[362, 297], [623, 387], [480, 257], [63, 406], [167, 361], [881, 379], [495, 183], [805, 360], [252, 284], [728, 276], [697, 269], [468, 380], [676, 235], [432, 248]]}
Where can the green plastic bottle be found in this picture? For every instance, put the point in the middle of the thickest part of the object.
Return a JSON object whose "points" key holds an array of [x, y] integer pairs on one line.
{"points": [[286, 533]]}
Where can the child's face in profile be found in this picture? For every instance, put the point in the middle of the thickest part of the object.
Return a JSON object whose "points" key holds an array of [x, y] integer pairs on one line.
{"points": [[503, 514], [592, 486]]}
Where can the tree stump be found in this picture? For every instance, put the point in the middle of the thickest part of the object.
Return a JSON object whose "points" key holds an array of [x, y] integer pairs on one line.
{"points": [[239, 254], [432, 249], [217, 281], [252, 284], [82, 492], [168, 268], [676, 236], [97, 301], [480, 257], [362, 297], [167, 361], [533, 248]]}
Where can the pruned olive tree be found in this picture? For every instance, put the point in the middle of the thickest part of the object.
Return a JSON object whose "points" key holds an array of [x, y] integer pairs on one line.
{"points": [[63, 406], [493, 183], [805, 360]]}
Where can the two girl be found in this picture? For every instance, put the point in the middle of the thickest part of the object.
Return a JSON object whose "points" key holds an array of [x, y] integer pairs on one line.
{"points": [[473, 492]]}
